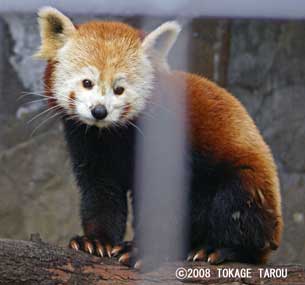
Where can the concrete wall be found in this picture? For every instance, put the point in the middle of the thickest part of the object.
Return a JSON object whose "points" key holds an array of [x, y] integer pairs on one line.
{"points": [[261, 62]]}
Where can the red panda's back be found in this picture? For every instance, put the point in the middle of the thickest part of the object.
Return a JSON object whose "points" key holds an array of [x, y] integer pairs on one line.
{"points": [[220, 126]]}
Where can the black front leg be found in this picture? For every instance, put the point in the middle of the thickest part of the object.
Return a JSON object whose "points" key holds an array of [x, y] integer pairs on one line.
{"points": [[103, 167], [103, 213]]}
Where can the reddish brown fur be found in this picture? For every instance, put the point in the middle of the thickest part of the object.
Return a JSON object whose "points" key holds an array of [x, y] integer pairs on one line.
{"points": [[48, 83], [220, 125], [108, 46], [71, 101], [127, 109]]}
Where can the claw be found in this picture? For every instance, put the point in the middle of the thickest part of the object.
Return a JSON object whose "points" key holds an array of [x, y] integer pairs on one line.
{"points": [[108, 250], [100, 252], [115, 251], [138, 265], [216, 258], [124, 258], [74, 245], [89, 247], [200, 255], [190, 257], [196, 257], [99, 248]]}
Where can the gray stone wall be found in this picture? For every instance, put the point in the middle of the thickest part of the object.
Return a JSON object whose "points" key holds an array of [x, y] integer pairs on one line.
{"points": [[267, 72], [36, 185], [261, 62]]}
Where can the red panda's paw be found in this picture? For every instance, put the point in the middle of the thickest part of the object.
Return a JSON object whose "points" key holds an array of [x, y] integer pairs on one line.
{"points": [[215, 256], [123, 247], [127, 254], [200, 254], [91, 246], [131, 259]]}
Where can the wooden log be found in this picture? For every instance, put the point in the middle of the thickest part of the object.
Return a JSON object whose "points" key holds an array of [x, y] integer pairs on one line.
{"points": [[35, 262]]}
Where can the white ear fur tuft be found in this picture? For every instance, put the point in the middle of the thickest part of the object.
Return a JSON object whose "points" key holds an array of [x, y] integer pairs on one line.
{"points": [[162, 39], [55, 28]]}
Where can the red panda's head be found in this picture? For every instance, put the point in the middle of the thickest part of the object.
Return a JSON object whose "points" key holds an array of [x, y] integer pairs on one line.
{"points": [[102, 72]]}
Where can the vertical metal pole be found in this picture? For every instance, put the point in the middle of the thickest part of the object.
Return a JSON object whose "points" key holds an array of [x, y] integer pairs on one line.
{"points": [[161, 176]]}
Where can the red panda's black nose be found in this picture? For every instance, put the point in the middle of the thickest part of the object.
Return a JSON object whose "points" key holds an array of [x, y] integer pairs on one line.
{"points": [[99, 112]]}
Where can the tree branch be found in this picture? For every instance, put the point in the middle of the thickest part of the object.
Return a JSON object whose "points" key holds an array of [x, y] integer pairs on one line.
{"points": [[35, 262]]}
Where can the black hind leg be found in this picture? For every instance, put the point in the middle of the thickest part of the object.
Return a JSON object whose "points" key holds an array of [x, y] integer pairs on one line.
{"points": [[199, 249], [238, 230]]}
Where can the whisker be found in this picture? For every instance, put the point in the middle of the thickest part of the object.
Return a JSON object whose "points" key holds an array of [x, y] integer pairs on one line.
{"points": [[87, 128], [68, 99], [115, 126], [34, 94], [45, 121], [43, 112], [136, 127], [35, 101], [41, 92]]}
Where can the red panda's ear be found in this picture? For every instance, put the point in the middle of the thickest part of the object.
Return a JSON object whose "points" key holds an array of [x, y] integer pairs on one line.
{"points": [[161, 40], [55, 29]]}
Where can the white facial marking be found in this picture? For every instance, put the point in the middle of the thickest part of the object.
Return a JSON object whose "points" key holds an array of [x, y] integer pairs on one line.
{"points": [[120, 108]]}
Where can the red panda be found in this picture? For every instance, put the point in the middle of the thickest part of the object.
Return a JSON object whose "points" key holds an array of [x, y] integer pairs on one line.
{"points": [[103, 74]]}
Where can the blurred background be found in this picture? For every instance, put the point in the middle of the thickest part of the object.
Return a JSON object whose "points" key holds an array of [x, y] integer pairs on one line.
{"points": [[262, 62]]}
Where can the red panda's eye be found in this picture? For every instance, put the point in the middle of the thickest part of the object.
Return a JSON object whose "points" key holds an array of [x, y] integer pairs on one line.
{"points": [[87, 84], [119, 90]]}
